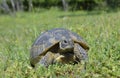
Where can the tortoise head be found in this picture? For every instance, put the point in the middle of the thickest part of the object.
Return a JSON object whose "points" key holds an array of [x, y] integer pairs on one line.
{"points": [[66, 45]]}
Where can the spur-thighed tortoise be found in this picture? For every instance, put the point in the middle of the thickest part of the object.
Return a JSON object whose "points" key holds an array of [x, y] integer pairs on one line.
{"points": [[58, 45]]}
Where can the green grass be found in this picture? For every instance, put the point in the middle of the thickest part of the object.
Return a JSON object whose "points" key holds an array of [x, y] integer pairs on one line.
{"points": [[100, 30]]}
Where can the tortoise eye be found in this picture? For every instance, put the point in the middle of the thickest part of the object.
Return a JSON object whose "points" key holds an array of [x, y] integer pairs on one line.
{"points": [[65, 41]]}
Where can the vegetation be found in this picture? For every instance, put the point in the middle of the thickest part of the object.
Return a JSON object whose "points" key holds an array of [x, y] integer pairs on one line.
{"points": [[100, 30], [11, 6]]}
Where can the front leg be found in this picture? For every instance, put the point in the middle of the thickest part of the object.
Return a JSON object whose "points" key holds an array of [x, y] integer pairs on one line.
{"points": [[47, 59], [80, 53]]}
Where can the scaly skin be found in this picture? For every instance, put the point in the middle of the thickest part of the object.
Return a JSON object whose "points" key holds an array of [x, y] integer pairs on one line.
{"points": [[47, 59], [51, 58], [81, 54], [65, 58]]}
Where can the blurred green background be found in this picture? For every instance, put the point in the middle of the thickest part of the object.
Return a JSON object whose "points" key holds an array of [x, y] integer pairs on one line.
{"points": [[11, 6], [97, 21]]}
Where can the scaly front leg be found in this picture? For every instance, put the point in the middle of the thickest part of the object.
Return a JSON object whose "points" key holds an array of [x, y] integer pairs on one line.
{"points": [[81, 54], [47, 59]]}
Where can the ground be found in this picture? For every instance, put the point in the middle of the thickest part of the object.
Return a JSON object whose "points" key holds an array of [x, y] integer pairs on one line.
{"points": [[100, 30]]}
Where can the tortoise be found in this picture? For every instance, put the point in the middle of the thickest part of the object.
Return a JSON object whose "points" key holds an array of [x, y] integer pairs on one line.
{"points": [[58, 45]]}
